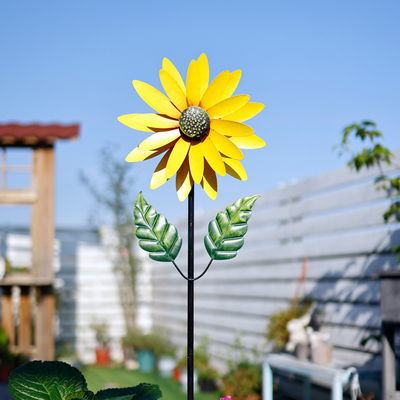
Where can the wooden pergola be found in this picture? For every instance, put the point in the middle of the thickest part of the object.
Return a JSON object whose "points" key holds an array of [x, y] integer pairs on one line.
{"points": [[40, 195]]}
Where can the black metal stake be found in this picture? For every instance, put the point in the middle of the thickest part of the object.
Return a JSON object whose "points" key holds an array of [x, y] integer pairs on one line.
{"points": [[190, 319]]}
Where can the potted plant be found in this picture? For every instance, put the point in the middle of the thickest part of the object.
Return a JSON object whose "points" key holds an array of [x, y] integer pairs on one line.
{"points": [[103, 339], [277, 331], [243, 380], [164, 352], [146, 346], [207, 378]]}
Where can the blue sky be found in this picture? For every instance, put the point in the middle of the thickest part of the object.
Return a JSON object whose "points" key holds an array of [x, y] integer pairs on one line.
{"points": [[316, 65]]}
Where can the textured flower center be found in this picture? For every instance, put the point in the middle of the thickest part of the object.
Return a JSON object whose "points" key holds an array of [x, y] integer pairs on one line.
{"points": [[194, 122]]}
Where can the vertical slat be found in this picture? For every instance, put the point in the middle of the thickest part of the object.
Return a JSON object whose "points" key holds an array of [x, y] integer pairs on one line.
{"points": [[44, 335], [388, 363], [7, 317], [25, 326], [3, 168], [42, 228]]}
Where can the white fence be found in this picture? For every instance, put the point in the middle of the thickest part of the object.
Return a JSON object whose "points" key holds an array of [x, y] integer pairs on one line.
{"points": [[85, 285], [332, 222]]}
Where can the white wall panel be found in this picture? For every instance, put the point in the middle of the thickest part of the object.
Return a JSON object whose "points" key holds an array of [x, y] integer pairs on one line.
{"points": [[334, 222]]}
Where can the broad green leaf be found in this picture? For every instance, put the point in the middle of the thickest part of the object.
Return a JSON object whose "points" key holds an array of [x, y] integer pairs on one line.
{"points": [[225, 233], [144, 391], [81, 398], [83, 395], [155, 234], [45, 380]]}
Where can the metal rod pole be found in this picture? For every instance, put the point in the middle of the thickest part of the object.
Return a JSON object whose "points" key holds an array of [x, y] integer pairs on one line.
{"points": [[190, 318]]}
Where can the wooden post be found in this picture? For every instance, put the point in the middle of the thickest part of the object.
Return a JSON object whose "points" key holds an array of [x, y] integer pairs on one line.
{"points": [[40, 138], [42, 232], [25, 326], [44, 336], [7, 316], [42, 228]]}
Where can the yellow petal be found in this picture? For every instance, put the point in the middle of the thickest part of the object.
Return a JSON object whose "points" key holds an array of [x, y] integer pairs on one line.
{"points": [[193, 84], [137, 154], [213, 157], [159, 139], [155, 121], [155, 99], [235, 168], [214, 91], [230, 128], [248, 142], [178, 155], [159, 176], [184, 181], [225, 146], [209, 182], [173, 90], [202, 62], [171, 69], [127, 120], [228, 106], [231, 86], [248, 111], [196, 161], [140, 155]]}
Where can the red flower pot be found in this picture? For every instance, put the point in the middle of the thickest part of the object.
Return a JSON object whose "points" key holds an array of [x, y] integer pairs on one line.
{"points": [[102, 356], [177, 374]]}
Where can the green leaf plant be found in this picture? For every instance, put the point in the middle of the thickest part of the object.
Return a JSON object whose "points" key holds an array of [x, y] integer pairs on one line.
{"points": [[56, 380], [225, 234], [375, 155]]}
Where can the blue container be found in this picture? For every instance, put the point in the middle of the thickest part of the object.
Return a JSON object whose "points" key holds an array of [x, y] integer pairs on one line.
{"points": [[146, 360]]}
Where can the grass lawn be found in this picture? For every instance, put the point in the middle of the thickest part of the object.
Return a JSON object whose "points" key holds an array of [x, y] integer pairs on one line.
{"points": [[99, 378]]}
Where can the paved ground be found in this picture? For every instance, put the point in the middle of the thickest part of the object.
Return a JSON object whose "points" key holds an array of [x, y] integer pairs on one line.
{"points": [[4, 394]]}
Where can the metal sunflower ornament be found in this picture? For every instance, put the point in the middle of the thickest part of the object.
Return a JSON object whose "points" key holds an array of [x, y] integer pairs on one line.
{"points": [[200, 129]]}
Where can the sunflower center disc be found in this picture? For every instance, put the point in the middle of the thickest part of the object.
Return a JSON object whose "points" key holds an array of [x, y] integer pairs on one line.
{"points": [[194, 122]]}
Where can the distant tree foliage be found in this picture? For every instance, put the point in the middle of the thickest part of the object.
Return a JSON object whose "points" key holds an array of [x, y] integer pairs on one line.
{"points": [[375, 155], [115, 198]]}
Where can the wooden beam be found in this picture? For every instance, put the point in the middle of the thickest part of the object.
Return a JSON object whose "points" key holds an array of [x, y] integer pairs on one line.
{"points": [[44, 334], [15, 196], [24, 279], [7, 316], [42, 228], [25, 326]]}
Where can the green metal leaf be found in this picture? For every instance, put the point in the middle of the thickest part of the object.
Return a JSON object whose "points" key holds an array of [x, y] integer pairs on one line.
{"points": [[45, 380], [225, 233], [155, 234], [144, 391]]}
